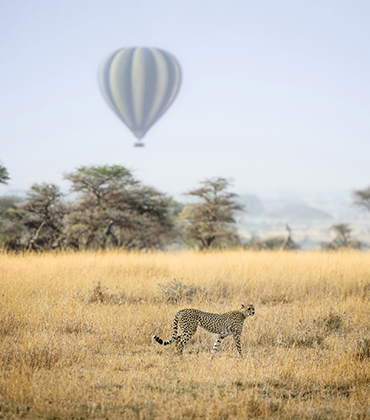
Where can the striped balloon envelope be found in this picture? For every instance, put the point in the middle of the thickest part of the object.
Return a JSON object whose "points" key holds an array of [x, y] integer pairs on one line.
{"points": [[139, 85]]}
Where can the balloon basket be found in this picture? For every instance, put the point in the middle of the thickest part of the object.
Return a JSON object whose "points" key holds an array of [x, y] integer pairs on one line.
{"points": [[138, 144]]}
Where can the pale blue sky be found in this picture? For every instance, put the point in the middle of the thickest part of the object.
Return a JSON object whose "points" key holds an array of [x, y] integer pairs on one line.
{"points": [[275, 94]]}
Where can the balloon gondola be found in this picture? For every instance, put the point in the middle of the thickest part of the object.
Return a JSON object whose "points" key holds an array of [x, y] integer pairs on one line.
{"points": [[140, 84]]}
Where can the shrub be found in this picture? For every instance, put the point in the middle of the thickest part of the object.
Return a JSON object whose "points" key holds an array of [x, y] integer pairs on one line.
{"points": [[103, 295], [363, 348], [175, 291]]}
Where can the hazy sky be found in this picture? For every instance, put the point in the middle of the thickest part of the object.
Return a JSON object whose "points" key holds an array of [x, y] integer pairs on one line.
{"points": [[275, 94]]}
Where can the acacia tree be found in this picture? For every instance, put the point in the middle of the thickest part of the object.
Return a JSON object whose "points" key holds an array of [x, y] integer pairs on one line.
{"points": [[10, 230], [38, 222], [4, 175], [115, 210], [362, 198], [42, 214], [342, 238], [213, 217]]}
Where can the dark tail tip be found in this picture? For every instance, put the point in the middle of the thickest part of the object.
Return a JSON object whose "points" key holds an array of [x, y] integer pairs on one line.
{"points": [[157, 339]]}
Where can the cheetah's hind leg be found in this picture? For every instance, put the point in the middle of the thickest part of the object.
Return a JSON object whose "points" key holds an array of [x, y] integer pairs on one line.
{"points": [[184, 339]]}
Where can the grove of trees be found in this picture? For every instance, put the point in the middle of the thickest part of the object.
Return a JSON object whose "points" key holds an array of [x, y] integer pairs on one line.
{"points": [[109, 208], [112, 209]]}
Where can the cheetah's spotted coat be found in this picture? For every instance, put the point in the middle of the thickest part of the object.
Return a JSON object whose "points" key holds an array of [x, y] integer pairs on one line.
{"points": [[230, 323]]}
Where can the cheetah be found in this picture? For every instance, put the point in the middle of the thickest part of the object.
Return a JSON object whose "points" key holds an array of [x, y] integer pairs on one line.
{"points": [[230, 323]]}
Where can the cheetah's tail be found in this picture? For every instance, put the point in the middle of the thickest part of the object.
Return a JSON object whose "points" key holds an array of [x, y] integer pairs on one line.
{"points": [[174, 335]]}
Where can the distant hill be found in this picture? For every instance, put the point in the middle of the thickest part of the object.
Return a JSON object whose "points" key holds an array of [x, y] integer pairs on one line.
{"points": [[299, 212], [253, 204]]}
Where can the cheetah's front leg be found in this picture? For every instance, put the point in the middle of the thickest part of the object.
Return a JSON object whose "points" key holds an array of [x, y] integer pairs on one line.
{"points": [[237, 336]]}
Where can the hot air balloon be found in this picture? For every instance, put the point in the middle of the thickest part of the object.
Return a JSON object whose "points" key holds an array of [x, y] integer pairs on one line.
{"points": [[140, 84]]}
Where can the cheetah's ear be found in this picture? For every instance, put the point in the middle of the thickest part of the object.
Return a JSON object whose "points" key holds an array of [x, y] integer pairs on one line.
{"points": [[243, 306]]}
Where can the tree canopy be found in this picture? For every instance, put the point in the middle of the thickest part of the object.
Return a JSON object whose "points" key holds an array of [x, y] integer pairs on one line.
{"points": [[115, 210], [4, 175], [342, 238], [111, 209], [213, 216], [362, 198]]}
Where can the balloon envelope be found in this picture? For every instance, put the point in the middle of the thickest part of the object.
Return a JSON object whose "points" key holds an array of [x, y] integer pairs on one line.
{"points": [[140, 84]]}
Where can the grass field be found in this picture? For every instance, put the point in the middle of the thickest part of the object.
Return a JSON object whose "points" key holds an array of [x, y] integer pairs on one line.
{"points": [[75, 336]]}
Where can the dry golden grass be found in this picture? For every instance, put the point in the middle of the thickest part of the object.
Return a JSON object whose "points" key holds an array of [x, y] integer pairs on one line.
{"points": [[75, 336]]}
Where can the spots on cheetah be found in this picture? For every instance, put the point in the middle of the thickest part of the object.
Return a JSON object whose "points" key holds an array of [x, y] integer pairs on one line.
{"points": [[230, 323]]}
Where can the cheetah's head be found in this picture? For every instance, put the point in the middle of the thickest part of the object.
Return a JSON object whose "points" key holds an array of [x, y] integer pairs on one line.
{"points": [[247, 310]]}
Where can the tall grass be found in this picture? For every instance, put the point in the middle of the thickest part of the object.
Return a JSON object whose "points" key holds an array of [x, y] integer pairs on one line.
{"points": [[75, 335]]}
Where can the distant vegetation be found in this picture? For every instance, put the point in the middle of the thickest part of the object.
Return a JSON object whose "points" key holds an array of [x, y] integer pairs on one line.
{"points": [[210, 220], [362, 198], [112, 209], [343, 238], [4, 175]]}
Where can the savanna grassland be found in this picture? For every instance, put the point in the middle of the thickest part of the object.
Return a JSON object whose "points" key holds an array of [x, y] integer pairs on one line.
{"points": [[75, 335]]}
